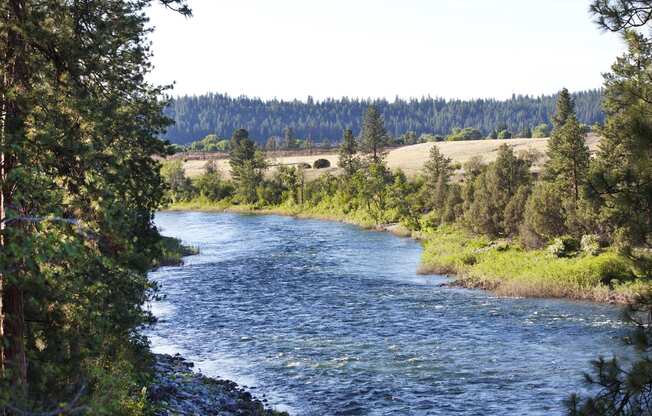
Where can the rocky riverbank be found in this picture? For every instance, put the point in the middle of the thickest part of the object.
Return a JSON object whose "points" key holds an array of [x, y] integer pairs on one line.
{"points": [[178, 390]]}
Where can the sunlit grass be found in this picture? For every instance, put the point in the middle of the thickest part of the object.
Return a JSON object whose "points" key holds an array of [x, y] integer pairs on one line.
{"points": [[511, 271]]}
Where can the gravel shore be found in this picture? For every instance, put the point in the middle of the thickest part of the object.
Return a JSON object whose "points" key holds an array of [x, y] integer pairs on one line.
{"points": [[178, 390]]}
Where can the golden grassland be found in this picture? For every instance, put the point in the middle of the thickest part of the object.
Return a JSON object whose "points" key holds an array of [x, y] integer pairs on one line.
{"points": [[410, 159]]}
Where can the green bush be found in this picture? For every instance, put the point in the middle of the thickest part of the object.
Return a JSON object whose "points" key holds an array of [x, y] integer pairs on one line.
{"points": [[565, 246], [321, 164]]}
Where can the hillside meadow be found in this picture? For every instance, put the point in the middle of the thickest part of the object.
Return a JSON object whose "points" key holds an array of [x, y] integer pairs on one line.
{"points": [[410, 159]]}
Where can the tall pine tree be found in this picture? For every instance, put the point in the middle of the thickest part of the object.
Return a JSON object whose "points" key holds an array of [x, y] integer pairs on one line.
{"points": [[373, 138]]}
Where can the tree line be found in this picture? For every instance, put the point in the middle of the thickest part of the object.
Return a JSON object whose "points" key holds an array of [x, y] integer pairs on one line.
{"points": [[322, 122]]}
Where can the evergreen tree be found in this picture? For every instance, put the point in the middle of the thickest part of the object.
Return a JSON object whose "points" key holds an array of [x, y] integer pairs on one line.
{"points": [[79, 187], [436, 172], [621, 186], [347, 154], [493, 191], [621, 15], [373, 137], [564, 109], [241, 150], [568, 158], [247, 165], [219, 114], [621, 177]]}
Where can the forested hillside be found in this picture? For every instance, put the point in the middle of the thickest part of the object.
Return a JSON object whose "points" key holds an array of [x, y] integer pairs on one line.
{"points": [[219, 114]]}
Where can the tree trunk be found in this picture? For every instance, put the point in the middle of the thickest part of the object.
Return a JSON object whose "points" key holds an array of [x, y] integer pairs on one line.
{"points": [[16, 77], [14, 328]]}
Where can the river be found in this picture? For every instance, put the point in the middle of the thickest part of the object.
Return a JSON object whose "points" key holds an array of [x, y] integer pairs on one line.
{"points": [[323, 318]]}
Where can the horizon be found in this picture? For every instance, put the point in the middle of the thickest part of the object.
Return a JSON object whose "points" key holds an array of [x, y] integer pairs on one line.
{"points": [[380, 99], [379, 50]]}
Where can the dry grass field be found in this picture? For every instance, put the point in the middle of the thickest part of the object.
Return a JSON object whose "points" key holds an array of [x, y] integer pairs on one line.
{"points": [[408, 158]]}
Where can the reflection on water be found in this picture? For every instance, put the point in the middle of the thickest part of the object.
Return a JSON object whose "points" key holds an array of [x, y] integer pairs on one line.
{"points": [[327, 319]]}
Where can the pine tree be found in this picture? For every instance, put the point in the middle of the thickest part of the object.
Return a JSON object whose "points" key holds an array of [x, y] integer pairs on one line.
{"points": [[436, 171], [78, 191], [621, 177], [373, 137], [568, 158], [347, 154], [564, 109], [247, 165], [241, 150], [494, 189]]}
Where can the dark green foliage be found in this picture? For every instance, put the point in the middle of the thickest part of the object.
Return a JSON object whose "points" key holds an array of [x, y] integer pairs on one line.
{"points": [[210, 143], [179, 186], [493, 190], [619, 15], [621, 177], [623, 389], [211, 186], [564, 246], [542, 130], [515, 210], [321, 164], [197, 116], [504, 134], [78, 133], [408, 138], [347, 154], [436, 175], [563, 109], [373, 137], [544, 213], [467, 133], [247, 166], [568, 159]]}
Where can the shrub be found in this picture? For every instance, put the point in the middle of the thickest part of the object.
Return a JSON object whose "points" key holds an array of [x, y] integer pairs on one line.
{"points": [[321, 163], [468, 259], [504, 134], [565, 246], [430, 221], [590, 244], [467, 133]]}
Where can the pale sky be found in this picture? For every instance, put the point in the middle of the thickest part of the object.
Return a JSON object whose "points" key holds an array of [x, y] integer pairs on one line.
{"points": [[381, 48]]}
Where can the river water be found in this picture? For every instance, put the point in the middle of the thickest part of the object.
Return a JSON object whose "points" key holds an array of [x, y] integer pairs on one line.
{"points": [[323, 318]]}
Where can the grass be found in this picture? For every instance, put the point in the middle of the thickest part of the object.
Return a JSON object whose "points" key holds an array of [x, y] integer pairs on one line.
{"points": [[509, 270], [410, 159], [173, 252]]}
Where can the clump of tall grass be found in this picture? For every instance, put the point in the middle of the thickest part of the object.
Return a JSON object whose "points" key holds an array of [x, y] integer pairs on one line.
{"points": [[511, 271]]}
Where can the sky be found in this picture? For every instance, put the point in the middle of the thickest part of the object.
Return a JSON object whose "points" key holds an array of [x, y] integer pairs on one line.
{"points": [[289, 49]]}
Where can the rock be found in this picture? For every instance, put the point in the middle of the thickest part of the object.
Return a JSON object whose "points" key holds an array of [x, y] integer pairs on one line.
{"points": [[177, 390]]}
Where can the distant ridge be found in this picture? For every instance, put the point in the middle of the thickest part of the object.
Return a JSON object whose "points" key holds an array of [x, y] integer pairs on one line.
{"points": [[324, 120]]}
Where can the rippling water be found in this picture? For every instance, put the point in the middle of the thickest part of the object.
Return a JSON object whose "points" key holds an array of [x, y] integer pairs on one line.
{"points": [[323, 318]]}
